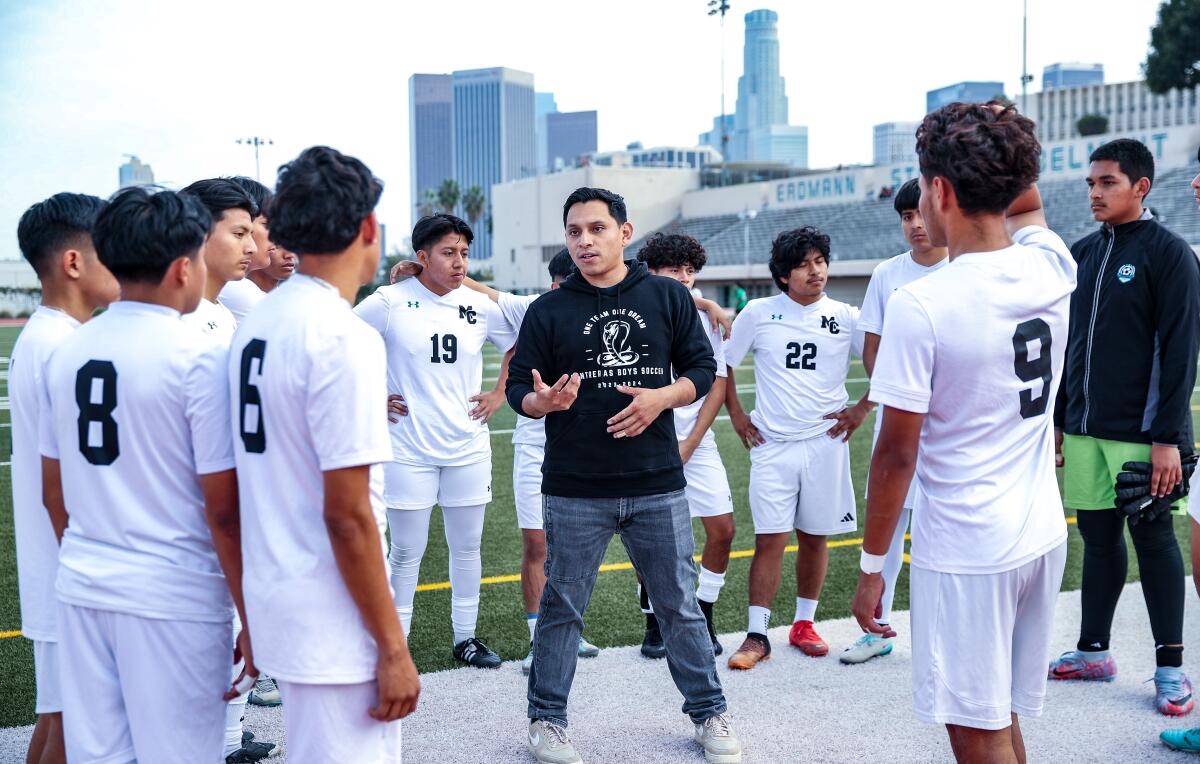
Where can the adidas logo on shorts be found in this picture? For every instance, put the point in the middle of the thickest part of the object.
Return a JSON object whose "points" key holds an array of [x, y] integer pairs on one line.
{"points": [[849, 518]]}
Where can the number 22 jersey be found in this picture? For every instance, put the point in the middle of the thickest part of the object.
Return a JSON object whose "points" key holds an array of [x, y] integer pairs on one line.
{"points": [[978, 348]]}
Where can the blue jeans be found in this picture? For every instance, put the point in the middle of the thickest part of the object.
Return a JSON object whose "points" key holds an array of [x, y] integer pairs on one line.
{"points": [[657, 534]]}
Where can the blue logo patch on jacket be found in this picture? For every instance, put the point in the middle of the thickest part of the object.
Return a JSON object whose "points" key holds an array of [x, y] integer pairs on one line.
{"points": [[1126, 273]]}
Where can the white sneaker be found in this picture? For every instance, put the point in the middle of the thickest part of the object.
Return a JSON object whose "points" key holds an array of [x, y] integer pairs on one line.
{"points": [[721, 746], [587, 649], [265, 692], [867, 647], [550, 744]]}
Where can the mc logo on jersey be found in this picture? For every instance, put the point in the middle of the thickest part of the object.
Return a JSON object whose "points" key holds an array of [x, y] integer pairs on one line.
{"points": [[617, 352], [1126, 273], [468, 313], [830, 323]]}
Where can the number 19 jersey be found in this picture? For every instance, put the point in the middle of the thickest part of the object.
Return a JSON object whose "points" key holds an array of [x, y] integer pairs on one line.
{"points": [[435, 360], [978, 348], [801, 360]]}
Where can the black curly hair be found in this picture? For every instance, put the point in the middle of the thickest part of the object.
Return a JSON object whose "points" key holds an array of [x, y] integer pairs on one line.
{"points": [[988, 155], [321, 199], [791, 248], [672, 250]]}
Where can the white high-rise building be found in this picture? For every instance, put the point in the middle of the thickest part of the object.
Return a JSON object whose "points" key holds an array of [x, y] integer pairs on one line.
{"points": [[895, 142], [761, 130]]}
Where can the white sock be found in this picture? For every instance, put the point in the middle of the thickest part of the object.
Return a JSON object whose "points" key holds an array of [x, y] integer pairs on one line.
{"points": [[806, 610], [531, 619], [464, 529], [710, 585], [236, 708], [760, 619], [892, 563], [644, 599]]}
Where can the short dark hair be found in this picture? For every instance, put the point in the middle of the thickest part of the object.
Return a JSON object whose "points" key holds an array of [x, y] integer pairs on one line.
{"points": [[988, 157], [257, 191], [221, 194], [908, 197], [54, 225], [584, 194], [672, 250], [321, 199], [430, 229], [791, 248], [561, 265], [1132, 156], [144, 229]]}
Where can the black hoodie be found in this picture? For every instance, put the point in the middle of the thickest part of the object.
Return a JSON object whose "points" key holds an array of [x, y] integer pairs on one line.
{"points": [[630, 334]]}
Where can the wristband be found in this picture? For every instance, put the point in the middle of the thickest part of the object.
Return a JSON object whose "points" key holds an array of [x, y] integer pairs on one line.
{"points": [[871, 563]]}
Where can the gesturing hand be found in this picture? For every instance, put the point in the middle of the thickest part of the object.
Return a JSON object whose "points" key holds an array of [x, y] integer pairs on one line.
{"points": [[486, 405], [399, 687], [556, 397], [633, 420], [396, 407], [868, 604]]}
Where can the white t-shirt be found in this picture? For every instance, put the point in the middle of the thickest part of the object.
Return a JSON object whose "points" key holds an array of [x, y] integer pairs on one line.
{"points": [[309, 395], [686, 416], [435, 360], [214, 320], [801, 360], [967, 347], [37, 548], [240, 296], [530, 432], [147, 394]]}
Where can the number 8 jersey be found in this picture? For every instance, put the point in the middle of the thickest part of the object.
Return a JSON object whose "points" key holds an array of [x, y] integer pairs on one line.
{"points": [[801, 359], [978, 348], [435, 360]]}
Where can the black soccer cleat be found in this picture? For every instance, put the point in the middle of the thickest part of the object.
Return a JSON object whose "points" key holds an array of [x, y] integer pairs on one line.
{"points": [[707, 609], [652, 643], [252, 751], [475, 653]]}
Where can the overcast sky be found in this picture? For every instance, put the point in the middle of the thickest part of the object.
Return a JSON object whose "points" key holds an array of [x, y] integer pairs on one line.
{"points": [[82, 83]]}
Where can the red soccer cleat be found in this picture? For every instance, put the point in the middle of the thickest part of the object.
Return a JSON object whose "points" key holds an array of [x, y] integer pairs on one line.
{"points": [[805, 637]]}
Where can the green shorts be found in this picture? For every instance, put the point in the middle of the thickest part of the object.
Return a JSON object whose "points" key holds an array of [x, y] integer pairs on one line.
{"points": [[1090, 467]]}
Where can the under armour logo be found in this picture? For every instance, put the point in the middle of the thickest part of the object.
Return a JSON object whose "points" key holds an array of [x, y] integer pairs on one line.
{"points": [[776, 316], [414, 303], [468, 313], [830, 323], [212, 326]]}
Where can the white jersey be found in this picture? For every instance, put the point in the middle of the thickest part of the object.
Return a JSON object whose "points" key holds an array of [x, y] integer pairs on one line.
{"points": [[37, 548], [686, 416], [978, 348], [240, 296], [801, 360], [309, 396], [530, 432], [214, 320], [435, 360], [134, 409]]}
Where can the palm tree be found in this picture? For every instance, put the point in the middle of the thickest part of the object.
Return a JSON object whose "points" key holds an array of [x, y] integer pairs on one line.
{"points": [[428, 203], [447, 195], [474, 203]]}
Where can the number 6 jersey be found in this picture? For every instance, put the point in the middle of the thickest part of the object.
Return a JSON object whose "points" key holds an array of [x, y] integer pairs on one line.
{"points": [[801, 359], [978, 348]]}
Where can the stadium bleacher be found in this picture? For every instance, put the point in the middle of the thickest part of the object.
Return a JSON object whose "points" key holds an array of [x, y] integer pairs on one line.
{"points": [[868, 230]]}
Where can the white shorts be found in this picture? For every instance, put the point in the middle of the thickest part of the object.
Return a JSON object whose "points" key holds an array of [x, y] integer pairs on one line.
{"points": [[327, 722], [142, 689], [527, 485], [420, 486], [45, 671], [707, 489], [802, 484], [981, 643]]}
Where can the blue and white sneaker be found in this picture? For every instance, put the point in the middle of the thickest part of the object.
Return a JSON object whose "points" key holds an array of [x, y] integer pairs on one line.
{"points": [[1074, 665], [587, 649], [1182, 739], [1172, 692], [867, 647]]}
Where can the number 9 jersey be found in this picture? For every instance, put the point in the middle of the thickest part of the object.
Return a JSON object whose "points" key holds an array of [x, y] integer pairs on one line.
{"points": [[801, 360], [978, 348]]}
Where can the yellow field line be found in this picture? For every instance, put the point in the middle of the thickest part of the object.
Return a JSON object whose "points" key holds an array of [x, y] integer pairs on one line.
{"points": [[607, 568]]}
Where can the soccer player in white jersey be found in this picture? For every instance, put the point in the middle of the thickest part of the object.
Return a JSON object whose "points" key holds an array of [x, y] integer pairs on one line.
{"points": [[55, 236], [138, 479], [310, 438], [968, 367], [228, 252], [681, 257], [888, 276], [241, 295], [434, 330], [797, 434]]}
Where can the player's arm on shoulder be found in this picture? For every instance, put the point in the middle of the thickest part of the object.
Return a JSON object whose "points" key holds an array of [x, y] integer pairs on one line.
{"points": [[1026, 210], [717, 315], [483, 289]]}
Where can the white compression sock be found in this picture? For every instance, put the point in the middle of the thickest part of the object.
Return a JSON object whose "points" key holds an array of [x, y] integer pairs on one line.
{"points": [[644, 599], [409, 530], [892, 564], [760, 620], [464, 532], [709, 587], [806, 610]]}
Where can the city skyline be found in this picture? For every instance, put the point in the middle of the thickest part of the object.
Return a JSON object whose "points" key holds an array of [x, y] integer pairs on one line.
{"points": [[76, 97]]}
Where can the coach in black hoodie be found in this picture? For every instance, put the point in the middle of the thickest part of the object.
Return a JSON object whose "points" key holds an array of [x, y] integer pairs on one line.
{"points": [[1126, 396], [605, 358]]}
